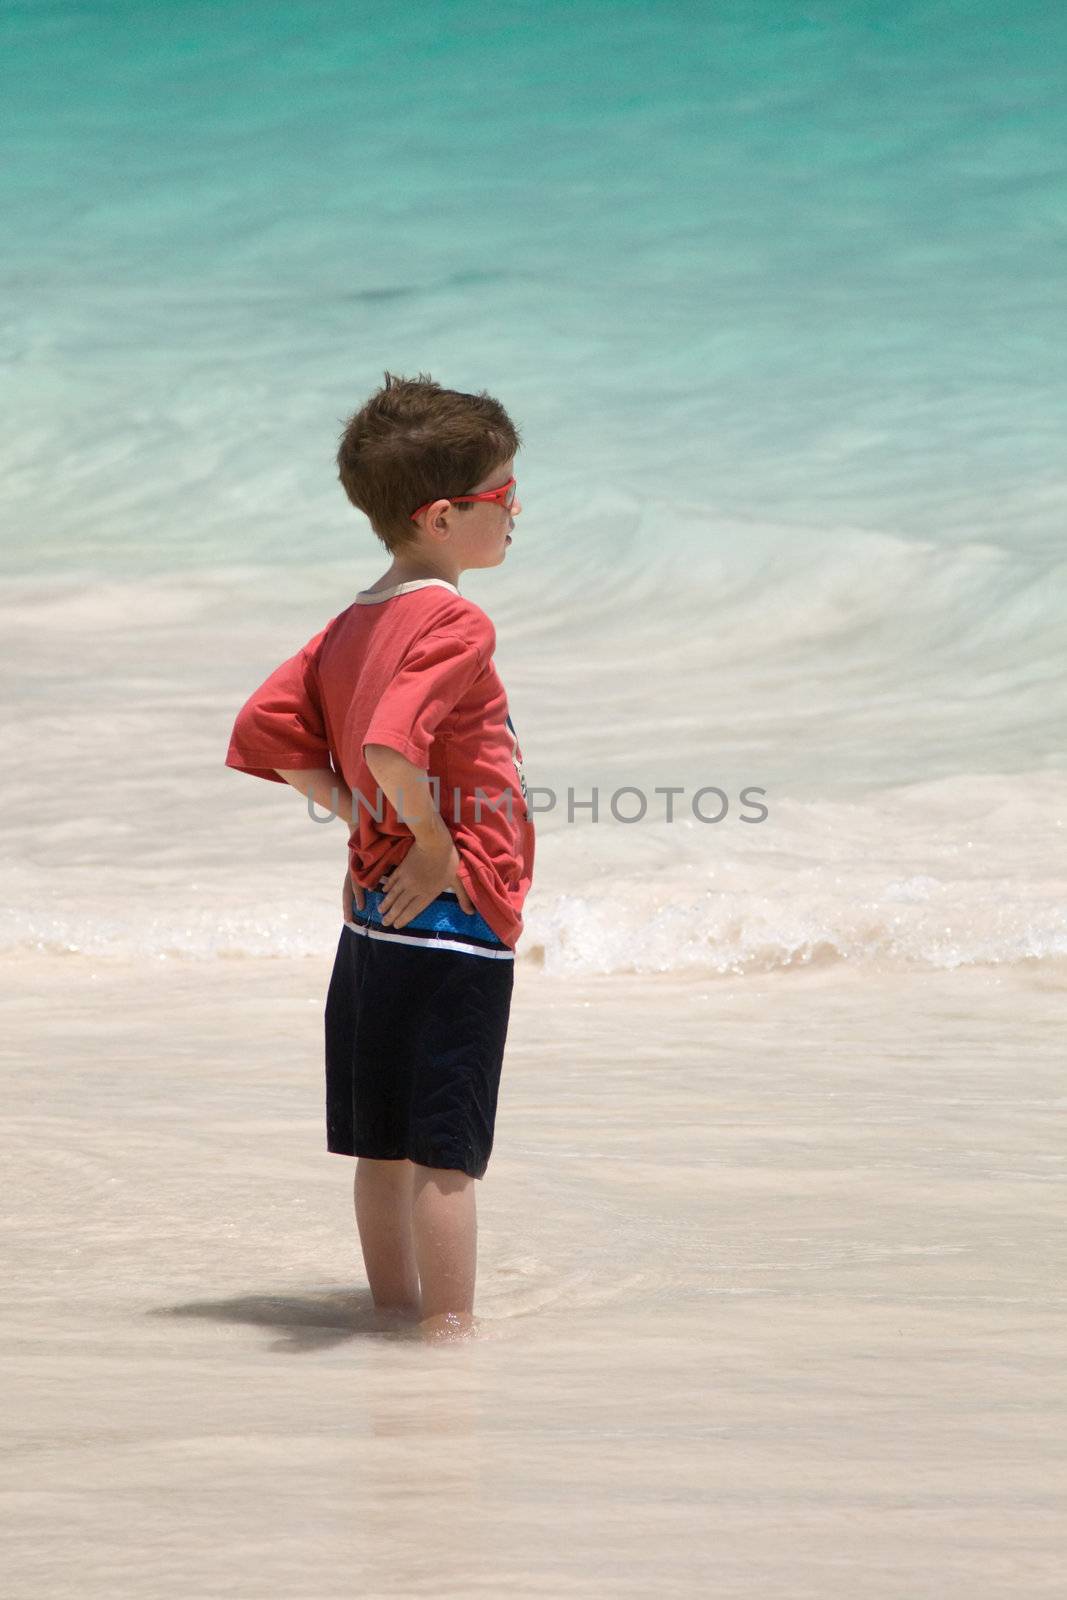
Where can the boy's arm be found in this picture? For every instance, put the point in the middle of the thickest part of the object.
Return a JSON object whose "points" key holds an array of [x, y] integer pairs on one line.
{"points": [[436, 671], [415, 882], [325, 786], [432, 863]]}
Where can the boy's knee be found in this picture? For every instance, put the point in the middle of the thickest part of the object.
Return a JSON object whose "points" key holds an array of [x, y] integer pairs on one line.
{"points": [[447, 1179]]}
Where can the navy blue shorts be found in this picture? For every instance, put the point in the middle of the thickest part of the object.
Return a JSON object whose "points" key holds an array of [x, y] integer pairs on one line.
{"points": [[416, 1021]]}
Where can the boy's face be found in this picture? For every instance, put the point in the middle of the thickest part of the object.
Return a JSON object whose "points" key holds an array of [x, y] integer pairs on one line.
{"points": [[479, 534]]}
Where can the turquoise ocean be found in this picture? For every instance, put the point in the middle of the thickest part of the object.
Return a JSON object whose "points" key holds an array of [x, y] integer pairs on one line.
{"points": [[775, 295]]}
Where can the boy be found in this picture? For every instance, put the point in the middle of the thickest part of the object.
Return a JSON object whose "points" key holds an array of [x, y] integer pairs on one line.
{"points": [[394, 716]]}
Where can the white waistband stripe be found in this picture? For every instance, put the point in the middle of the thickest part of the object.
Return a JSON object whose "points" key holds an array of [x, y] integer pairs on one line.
{"points": [[432, 944]]}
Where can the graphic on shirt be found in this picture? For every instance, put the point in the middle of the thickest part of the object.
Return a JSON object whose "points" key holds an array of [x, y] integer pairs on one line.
{"points": [[516, 756]]}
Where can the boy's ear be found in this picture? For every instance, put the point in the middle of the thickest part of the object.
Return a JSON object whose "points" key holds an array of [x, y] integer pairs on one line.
{"points": [[433, 526]]}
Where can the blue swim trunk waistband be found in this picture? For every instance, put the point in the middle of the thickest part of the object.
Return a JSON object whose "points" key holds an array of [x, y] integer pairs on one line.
{"points": [[442, 920]]}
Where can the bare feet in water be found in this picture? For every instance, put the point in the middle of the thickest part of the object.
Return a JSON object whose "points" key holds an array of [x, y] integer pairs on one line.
{"points": [[449, 1327]]}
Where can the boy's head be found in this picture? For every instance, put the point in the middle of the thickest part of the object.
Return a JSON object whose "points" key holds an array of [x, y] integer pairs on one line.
{"points": [[415, 445]]}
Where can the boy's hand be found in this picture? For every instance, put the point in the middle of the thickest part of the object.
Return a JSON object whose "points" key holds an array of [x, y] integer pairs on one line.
{"points": [[427, 868], [351, 891]]}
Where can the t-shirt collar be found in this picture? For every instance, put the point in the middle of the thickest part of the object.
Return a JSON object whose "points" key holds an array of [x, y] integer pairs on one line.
{"points": [[366, 598]]}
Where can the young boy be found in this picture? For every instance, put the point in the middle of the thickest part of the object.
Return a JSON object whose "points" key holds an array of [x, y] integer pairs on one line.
{"points": [[394, 716]]}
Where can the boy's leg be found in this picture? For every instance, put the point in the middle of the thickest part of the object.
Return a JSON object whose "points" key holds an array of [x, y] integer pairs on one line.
{"points": [[383, 1196], [445, 1226]]}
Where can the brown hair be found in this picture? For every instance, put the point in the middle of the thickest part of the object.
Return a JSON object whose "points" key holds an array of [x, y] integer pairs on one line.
{"points": [[413, 442]]}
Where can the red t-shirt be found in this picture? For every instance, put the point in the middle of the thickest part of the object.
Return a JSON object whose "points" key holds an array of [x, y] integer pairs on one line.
{"points": [[410, 667]]}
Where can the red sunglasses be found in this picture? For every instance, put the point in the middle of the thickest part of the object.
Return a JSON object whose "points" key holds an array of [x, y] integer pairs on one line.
{"points": [[503, 496]]}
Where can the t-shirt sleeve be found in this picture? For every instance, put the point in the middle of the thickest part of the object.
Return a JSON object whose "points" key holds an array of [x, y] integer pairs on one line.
{"points": [[436, 673], [281, 724]]}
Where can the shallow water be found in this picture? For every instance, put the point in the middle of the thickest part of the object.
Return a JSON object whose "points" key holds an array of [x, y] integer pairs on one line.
{"points": [[907, 819], [770, 1296]]}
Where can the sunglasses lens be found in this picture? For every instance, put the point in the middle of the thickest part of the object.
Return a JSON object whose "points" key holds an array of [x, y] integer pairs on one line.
{"points": [[509, 497]]}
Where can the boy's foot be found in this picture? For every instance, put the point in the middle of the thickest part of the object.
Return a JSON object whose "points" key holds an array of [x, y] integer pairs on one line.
{"points": [[449, 1326], [396, 1316]]}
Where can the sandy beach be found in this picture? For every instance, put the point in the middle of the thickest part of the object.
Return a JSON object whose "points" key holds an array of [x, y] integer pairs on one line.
{"points": [[770, 1296]]}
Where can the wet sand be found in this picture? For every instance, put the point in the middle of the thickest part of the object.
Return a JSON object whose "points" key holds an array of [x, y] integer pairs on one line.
{"points": [[770, 1302]]}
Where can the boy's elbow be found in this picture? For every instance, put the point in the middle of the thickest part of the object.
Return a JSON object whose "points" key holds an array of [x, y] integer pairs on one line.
{"points": [[385, 760], [380, 757]]}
